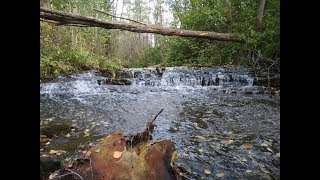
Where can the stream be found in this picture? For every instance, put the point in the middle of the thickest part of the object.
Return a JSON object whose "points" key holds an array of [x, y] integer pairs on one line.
{"points": [[217, 119]]}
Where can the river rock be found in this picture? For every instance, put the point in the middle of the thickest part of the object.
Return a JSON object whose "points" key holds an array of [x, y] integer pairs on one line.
{"points": [[112, 81], [123, 73], [160, 70], [87, 67], [107, 73], [248, 92], [263, 81], [112, 159]]}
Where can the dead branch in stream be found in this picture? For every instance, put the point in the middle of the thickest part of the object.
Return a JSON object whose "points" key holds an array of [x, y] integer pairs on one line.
{"points": [[145, 136], [72, 19], [62, 174]]}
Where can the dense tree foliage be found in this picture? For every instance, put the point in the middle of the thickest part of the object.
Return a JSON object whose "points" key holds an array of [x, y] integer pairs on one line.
{"points": [[66, 49], [261, 47]]}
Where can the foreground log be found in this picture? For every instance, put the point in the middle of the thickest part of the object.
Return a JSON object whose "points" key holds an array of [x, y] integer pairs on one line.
{"points": [[126, 157], [111, 159], [71, 19]]}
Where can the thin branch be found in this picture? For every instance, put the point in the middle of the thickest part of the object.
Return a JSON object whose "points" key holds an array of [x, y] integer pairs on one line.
{"points": [[103, 12], [70, 24], [60, 176], [269, 74], [74, 173], [91, 168], [156, 116], [48, 21], [70, 173]]}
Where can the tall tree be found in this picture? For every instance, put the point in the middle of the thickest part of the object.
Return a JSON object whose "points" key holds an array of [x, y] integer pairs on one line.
{"points": [[228, 14], [260, 24], [42, 3], [158, 19]]}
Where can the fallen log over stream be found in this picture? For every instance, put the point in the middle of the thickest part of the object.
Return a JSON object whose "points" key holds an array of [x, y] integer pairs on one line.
{"points": [[72, 19]]}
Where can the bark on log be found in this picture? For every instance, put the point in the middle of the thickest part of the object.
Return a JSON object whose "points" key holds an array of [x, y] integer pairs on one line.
{"points": [[72, 19]]}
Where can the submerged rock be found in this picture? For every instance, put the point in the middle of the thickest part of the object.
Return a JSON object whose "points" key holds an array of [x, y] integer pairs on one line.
{"points": [[248, 92]]}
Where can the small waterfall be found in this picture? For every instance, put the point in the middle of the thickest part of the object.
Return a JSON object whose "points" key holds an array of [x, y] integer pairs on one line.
{"points": [[178, 77], [77, 84]]}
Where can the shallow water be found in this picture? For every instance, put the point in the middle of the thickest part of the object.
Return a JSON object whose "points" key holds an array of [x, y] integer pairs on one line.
{"points": [[213, 125]]}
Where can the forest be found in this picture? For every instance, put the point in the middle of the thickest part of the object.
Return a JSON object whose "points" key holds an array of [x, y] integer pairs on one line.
{"points": [[65, 49]]}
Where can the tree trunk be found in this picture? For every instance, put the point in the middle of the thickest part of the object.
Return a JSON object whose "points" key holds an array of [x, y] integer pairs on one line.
{"points": [[95, 39], [260, 24], [42, 4], [116, 7], [228, 11], [65, 18], [122, 9], [72, 28]]}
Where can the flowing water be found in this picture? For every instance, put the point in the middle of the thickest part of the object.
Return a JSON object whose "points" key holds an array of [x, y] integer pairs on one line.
{"points": [[216, 118]]}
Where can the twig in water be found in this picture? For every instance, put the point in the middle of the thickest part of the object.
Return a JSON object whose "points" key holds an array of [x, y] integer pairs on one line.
{"points": [[70, 172], [156, 116], [91, 168], [145, 136], [74, 173], [150, 125], [60, 176]]}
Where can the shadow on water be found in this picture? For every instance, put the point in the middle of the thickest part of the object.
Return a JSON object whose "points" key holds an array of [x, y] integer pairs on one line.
{"points": [[219, 127]]}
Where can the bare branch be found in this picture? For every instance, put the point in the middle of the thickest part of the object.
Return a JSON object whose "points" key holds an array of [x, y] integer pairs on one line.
{"points": [[70, 172], [157, 116], [74, 173]]}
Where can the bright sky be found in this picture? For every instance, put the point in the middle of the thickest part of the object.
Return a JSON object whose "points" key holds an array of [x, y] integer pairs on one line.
{"points": [[167, 15]]}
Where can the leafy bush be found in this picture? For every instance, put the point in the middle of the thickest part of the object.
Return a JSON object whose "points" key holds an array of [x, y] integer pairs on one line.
{"points": [[57, 55]]}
